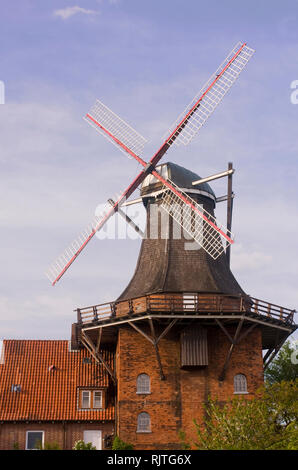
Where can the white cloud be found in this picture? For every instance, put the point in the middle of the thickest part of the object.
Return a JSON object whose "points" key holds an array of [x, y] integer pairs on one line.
{"points": [[245, 260], [67, 12]]}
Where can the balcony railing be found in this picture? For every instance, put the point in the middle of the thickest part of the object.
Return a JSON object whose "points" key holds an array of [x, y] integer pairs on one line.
{"points": [[186, 304]]}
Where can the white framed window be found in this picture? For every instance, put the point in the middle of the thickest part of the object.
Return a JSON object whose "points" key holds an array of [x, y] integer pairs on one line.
{"points": [[86, 399], [144, 422], [34, 440], [143, 384], [240, 384], [90, 399], [95, 437], [97, 399]]}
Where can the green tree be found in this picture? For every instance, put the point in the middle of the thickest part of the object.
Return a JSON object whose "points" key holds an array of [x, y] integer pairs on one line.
{"points": [[284, 366], [268, 421]]}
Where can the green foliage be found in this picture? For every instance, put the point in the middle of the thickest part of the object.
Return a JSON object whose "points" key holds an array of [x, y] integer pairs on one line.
{"points": [[48, 446], [266, 422], [283, 367], [118, 444], [184, 444], [81, 445], [16, 446]]}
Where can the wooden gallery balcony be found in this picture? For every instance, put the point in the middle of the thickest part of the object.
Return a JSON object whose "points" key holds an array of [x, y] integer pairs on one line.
{"points": [[203, 306], [99, 323]]}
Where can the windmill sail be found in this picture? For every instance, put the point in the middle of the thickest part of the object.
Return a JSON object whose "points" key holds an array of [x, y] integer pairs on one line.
{"points": [[132, 143], [62, 263], [196, 221], [204, 103], [115, 129]]}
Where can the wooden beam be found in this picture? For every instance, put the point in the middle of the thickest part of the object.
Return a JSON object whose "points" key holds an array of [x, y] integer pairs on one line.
{"points": [[127, 219], [229, 210], [97, 356], [224, 330], [166, 330], [162, 376], [274, 351], [272, 356], [246, 332], [141, 332], [197, 316], [234, 342], [98, 340], [267, 355]]}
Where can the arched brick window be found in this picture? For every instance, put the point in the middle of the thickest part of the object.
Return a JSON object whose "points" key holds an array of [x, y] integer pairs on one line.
{"points": [[143, 383], [144, 422], [240, 384]]}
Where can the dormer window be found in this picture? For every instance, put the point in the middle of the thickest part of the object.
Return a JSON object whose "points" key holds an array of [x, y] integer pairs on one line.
{"points": [[97, 399], [90, 399], [86, 399]]}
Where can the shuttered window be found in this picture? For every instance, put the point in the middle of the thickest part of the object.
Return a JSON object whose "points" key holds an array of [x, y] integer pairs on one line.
{"points": [[193, 345]]}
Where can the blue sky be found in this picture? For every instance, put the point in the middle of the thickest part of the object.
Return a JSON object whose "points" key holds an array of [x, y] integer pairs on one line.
{"points": [[146, 61]]}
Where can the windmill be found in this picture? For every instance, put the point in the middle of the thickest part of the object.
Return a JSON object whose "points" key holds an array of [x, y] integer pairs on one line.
{"points": [[209, 234]]}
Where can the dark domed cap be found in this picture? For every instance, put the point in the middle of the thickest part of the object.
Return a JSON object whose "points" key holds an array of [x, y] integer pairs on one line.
{"points": [[179, 175]]}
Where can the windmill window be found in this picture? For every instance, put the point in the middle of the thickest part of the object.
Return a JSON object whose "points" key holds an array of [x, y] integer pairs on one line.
{"points": [[240, 384], [143, 384], [144, 422]]}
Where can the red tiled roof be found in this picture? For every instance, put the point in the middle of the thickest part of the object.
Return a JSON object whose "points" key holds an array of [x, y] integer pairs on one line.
{"points": [[49, 394]]}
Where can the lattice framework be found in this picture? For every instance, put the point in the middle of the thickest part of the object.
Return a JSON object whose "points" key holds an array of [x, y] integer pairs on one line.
{"points": [[115, 129], [196, 221], [210, 95]]}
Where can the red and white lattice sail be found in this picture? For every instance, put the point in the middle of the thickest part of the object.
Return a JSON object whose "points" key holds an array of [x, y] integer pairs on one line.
{"points": [[132, 143]]}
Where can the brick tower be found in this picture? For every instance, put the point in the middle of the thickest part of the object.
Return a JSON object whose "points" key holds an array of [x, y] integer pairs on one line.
{"points": [[183, 329]]}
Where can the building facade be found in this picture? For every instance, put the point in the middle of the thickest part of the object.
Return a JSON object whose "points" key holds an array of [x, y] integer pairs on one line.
{"points": [[50, 394]]}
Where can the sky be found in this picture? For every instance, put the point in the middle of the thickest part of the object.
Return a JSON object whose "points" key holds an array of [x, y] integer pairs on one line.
{"points": [[145, 61]]}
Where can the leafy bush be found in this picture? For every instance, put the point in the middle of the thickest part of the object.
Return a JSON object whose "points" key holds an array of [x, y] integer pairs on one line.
{"points": [[81, 445], [48, 446], [118, 444]]}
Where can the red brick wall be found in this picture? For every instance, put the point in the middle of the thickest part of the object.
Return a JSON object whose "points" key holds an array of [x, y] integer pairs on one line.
{"points": [[135, 355], [11, 433], [176, 401], [198, 384]]}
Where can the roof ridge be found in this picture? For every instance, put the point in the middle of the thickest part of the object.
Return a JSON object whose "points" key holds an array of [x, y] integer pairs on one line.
{"points": [[37, 340]]}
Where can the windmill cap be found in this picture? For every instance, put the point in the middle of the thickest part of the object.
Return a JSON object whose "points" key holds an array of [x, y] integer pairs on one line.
{"points": [[179, 175]]}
